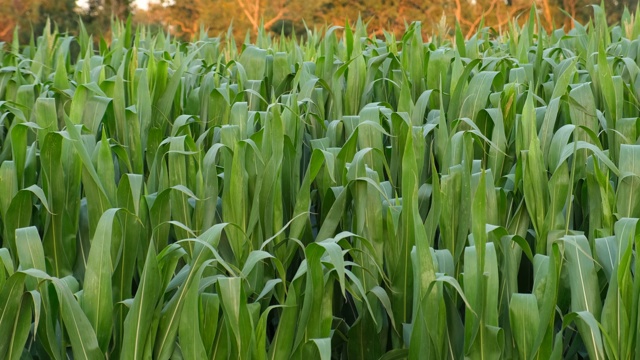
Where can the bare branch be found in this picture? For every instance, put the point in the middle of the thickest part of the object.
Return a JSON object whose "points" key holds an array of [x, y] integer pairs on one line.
{"points": [[253, 20], [546, 8], [256, 14], [7, 29], [504, 20], [184, 26], [459, 17], [273, 20], [475, 24]]}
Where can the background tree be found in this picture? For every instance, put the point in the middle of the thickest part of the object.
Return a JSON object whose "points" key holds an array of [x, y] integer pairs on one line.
{"points": [[97, 15], [255, 10], [183, 17], [32, 15], [61, 13], [14, 13]]}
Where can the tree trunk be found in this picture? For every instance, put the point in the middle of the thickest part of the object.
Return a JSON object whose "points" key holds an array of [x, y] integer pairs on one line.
{"points": [[546, 9]]}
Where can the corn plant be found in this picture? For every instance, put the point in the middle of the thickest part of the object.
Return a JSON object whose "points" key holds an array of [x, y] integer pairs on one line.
{"points": [[334, 196]]}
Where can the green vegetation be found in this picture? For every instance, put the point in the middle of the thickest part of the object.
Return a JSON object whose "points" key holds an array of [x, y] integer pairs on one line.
{"points": [[340, 196]]}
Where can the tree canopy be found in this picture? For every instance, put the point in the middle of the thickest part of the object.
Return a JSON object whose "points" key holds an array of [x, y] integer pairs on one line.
{"points": [[184, 18]]}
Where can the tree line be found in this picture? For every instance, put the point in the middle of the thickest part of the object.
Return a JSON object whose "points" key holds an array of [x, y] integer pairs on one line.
{"points": [[184, 18]]}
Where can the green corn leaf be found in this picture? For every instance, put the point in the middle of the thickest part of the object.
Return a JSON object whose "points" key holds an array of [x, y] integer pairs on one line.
{"points": [[140, 317], [97, 301]]}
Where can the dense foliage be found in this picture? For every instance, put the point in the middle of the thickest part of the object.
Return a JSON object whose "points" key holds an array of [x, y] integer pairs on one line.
{"points": [[183, 18], [28, 16], [340, 196]]}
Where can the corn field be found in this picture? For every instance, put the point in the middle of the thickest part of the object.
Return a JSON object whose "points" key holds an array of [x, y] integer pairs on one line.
{"points": [[335, 196]]}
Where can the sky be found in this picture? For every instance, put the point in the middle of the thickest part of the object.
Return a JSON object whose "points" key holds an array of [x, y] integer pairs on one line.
{"points": [[140, 4]]}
